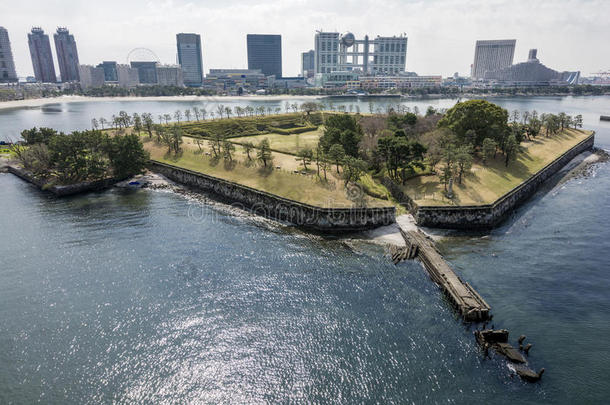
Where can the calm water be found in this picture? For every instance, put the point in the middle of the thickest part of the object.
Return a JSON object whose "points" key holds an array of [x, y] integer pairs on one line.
{"points": [[126, 297]]}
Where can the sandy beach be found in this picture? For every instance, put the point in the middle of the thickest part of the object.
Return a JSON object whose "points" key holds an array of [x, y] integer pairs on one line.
{"points": [[38, 102]]}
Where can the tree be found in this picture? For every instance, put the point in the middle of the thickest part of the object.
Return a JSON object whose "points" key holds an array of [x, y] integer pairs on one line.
{"points": [[167, 118], [482, 117], [35, 135], [198, 142], [448, 170], [353, 169], [336, 153], [220, 109], [178, 115], [264, 152], [343, 130], [176, 138], [103, 121], [488, 149], [187, 114], [148, 123], [216, 144], [305, 156], [309, 107], [127, 156], [463, 159], [204, 113], [248, 146], [227, 150], [196, 112], [228, 112], [511, 149], [321, 162], [137, 123], [159, 130], [94, 124], [578, 121]]}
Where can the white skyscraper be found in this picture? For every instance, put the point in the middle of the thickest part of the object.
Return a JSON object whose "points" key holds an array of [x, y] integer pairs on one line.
{"points": [[492, 55]]}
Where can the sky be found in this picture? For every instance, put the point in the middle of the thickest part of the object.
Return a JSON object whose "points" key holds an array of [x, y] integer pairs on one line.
{"points": [[569, 34]]}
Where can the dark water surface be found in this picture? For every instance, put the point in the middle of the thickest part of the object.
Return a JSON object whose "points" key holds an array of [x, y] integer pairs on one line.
{"points": [[124, 297]]}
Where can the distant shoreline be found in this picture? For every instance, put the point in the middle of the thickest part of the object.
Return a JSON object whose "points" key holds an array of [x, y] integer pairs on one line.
{"points": [[38, 102]]}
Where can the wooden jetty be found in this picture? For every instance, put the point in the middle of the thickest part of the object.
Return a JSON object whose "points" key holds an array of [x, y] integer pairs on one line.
{"points": [[471, 306]]}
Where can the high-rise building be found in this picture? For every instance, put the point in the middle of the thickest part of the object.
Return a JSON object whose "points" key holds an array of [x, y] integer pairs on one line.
{"points": [[7, 63], [492, 55], [265, 53], [91, 76], [308, 63], [110, 71], [169, 75], [42, 58], [127, 76], [67, 55], [189, 58], [343, 52], [147, 72]]}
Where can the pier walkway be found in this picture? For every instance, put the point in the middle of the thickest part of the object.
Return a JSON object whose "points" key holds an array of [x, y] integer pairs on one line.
{"points": [[471, 306]]}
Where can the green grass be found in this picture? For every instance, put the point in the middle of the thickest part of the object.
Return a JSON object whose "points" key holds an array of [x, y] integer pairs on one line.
{"points": [[286, 143], [486, 183], [303, 188]]}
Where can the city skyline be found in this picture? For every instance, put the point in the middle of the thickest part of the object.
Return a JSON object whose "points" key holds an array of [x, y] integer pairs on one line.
{"points": [[444, 50]]}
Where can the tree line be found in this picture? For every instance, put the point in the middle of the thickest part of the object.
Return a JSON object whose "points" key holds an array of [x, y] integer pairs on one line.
{"points": [[80, 155]]}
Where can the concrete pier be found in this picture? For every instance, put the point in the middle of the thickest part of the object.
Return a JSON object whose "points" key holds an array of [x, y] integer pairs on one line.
{"points": [[471, 306]]}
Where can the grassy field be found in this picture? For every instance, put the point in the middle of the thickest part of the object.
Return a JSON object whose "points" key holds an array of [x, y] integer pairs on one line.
{"points": [[485, 184], [286, 143], [283, 181]]}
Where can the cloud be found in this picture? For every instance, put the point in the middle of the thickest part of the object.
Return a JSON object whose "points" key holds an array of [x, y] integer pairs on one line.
{"points": [[569, 34]]}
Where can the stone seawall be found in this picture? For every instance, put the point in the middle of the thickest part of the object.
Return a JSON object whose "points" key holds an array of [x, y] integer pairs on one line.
{"points": [[489, 216], [273, 206], [61, 190]]}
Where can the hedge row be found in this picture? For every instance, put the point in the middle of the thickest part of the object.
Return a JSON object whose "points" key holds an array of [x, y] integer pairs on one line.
{"points": [[248, 126], [290, 131]]}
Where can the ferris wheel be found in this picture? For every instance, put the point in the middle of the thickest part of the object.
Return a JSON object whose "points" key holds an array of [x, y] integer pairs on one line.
{"points": [[142, 54]]}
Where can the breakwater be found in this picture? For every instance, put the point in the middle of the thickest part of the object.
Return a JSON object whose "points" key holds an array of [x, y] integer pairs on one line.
{"points": [[489, 216], [276, 207]]}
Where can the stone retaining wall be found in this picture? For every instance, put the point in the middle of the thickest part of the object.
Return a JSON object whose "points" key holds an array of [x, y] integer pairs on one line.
{"points": [[62, 190], [489, 216], [273, 206]]}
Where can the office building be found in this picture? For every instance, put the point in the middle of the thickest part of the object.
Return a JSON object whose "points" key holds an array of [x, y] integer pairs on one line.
{"points": [[265, 54], [308, 63], [110, 71], [127, 76], [343, 52], [67, 55], [169, 75], [395, 82], [147, 72], [90, 76], [229, 79], [7, 63], [189, 58], [491, 56], [42, 58]]}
